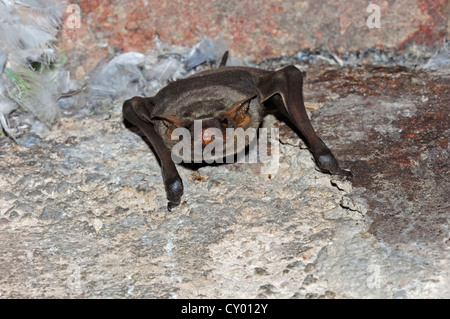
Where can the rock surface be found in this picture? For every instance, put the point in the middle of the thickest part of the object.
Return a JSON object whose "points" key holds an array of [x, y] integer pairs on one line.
{"points": [[254, 30], [83, 209]]}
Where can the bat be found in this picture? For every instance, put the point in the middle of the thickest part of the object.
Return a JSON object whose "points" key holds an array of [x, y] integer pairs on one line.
{"points": [[220, 99]]}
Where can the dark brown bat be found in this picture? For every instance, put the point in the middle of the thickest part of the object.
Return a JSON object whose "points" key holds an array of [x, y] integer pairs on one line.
{"points": [[227, 97]]}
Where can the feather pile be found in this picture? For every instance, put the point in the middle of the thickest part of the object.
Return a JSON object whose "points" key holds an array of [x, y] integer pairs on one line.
{"points": [[133, 73], [440, 60], [28, 31], [29, 28]]}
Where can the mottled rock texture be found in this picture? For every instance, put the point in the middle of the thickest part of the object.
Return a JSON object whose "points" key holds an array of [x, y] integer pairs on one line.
{"points": [[254, 30]]}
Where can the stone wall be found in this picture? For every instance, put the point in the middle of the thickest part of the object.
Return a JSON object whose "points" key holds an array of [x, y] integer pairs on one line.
{"points": [[253, 29]]}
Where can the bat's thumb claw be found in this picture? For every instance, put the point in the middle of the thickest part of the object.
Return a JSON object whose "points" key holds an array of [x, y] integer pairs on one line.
{"points": [[346, 173]]}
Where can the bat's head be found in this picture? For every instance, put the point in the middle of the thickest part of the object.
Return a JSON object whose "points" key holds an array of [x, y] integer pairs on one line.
{"points": [[210, 130]]}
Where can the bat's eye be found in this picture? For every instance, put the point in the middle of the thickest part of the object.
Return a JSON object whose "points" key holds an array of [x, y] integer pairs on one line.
{"points": [[207, 137]]}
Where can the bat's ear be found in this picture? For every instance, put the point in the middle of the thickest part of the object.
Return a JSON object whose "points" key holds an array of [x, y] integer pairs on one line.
{"points": [[223, 62], [239, 112], [170, 121]]}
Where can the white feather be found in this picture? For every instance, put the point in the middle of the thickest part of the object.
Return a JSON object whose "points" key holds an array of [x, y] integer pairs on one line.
{"points": [[440, 60], [40, 96], [6, 105], [29, 29]]}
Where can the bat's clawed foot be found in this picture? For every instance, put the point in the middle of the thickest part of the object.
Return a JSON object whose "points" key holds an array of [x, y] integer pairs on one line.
{"points": [[171, 205], [328, 163], [174, 191]]}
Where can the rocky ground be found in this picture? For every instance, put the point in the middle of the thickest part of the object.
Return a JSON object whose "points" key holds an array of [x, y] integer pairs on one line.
{"points": [[83, 209]]}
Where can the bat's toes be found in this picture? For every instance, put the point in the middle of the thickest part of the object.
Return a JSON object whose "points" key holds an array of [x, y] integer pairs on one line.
{"points": [[328, 163]]}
